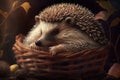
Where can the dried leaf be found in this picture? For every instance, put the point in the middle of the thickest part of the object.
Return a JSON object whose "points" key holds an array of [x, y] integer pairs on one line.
{"points": [[26, 6], [3, 13], [1, 53], [14, 4], [115, 22], [14, 67]]}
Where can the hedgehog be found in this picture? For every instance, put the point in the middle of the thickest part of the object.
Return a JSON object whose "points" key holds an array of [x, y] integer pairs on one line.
{"points": [[65, 27]]}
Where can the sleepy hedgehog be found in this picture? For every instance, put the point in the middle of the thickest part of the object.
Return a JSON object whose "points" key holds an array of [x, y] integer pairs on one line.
{"points": [[65, 27]]}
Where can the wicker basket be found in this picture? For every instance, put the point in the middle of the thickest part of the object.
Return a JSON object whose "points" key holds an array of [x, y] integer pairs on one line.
{"points": [[43, 64]]}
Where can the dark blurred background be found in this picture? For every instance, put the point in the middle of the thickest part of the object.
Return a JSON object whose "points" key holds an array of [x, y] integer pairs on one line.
{"points": [[17, 16]]}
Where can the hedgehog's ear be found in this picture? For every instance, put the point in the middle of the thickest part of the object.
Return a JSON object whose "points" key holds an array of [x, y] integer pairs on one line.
{"points": [[69, 20], [37, 18]]}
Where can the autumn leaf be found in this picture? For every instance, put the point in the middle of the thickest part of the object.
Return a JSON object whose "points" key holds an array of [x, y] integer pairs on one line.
{"points": [[14, 4], [14, 67], [3, 13], [1, 53], [115, 22], [26, 6]]}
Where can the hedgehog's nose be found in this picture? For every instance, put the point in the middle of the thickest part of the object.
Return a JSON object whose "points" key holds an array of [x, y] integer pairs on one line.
{"points": [[38, 43]]}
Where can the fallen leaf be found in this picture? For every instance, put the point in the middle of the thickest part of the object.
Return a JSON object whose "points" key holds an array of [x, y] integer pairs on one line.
{"points": [[3, 13], [115, 22], [1, 53], [14, 67], [14, 4], [26, 6]]}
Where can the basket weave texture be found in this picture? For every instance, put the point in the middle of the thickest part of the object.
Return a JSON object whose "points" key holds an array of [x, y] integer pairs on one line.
{"points": [[43, 64]]}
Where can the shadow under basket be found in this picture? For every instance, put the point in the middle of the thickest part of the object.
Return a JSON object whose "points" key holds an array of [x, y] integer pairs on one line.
{"points": [[73, 65]]}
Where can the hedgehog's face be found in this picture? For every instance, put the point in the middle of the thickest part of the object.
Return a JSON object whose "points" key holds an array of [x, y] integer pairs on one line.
{"points": [[52, 34], [48, 31]]}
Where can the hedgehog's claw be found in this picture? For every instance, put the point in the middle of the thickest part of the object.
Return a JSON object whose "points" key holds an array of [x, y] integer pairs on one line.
{"points": [[52, 51]]}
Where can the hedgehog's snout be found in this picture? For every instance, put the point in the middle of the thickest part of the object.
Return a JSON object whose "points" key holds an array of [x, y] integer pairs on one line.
{"points": [[38, 43], [43, 43]]}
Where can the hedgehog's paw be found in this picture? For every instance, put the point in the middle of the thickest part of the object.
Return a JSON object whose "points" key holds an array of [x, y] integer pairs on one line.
{"points": [[57, 49], [54, 50]]}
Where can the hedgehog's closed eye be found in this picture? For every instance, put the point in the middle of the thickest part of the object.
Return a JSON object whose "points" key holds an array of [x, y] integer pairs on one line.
{"points": [[55, 31]]}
